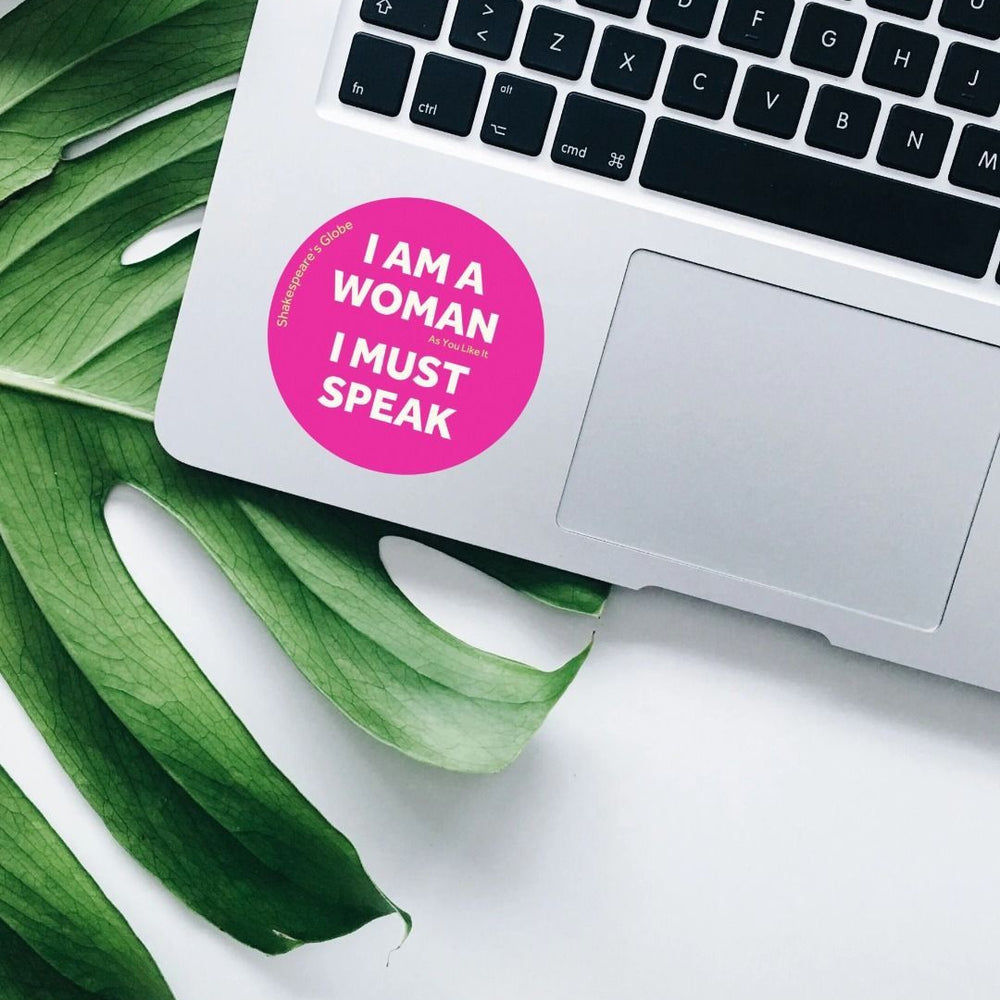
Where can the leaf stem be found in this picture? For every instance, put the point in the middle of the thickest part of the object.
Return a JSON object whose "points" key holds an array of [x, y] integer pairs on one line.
{"points": [[50, 387]]}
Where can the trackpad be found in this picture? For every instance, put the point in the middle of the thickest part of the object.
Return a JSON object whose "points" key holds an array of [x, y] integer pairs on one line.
{"points": [[786, 440]]}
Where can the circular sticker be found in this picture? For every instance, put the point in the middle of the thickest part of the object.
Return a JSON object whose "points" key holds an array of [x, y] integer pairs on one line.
{"points": [[406, 336]]}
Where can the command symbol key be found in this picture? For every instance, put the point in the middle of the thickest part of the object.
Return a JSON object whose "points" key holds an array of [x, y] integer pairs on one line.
{"points": [[517, 116], [598, 136]]}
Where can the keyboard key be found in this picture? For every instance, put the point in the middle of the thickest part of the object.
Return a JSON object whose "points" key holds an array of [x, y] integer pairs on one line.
{"points": [[918, 9], [486, 27], [828, 39], [977, 160], [816, 196], [376, 74], [900, 59], [771, 102], [598, 136], [699, 82], [843, 121], [415, 17], [977, 17], [914, 141], [447, 94], [756, 25], [518, 114], [557, 42], [691, 17], [628, 62], [970, 79], [624, 8]]}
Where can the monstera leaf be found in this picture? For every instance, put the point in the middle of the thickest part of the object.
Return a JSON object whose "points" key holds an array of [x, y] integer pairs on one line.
{"points": [[149, 741], [60, 937]]}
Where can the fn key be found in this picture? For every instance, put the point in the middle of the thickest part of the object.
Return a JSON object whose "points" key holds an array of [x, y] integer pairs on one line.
{"points": [[376, 73], [598, 136]]}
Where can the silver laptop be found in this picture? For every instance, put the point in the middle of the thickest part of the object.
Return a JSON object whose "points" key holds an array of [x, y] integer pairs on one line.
{"points": [[694, 294]]}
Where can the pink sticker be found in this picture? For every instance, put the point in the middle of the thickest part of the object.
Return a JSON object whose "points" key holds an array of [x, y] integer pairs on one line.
{"points": [[406, 336]]}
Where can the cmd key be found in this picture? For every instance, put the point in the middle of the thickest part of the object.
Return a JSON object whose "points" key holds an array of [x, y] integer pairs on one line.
{"points": [[598, 136], [827, 199], [414, 17]]}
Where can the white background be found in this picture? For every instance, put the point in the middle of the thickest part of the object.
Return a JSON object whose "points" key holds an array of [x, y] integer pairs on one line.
{"points": [[721, 807]]}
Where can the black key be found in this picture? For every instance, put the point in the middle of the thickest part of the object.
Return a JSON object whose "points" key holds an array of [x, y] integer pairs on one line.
{"points": [[376, 74], [598, 136], [628, 63], [970, 79], [691, 17], [699, 82], [914, 141], [447, 94], [977, 17], [918, 9], [843, 121], [816, 196], [977, 160], [557, 42], [756, 25], [486, 26], [900, 59], [416, 17], [625, 8], [771, 102], [518, 114], [828, 39]]}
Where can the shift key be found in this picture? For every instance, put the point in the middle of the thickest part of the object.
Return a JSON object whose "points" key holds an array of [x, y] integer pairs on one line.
{"points": [[598, 136]]}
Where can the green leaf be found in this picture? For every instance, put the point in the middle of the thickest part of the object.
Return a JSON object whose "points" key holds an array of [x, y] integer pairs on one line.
{"points": [[159, 822], [70, 68], [60, 936], [150, 742]]}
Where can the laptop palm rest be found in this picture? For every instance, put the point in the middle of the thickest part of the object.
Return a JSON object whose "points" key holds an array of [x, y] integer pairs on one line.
{"points": [[750, 430]]}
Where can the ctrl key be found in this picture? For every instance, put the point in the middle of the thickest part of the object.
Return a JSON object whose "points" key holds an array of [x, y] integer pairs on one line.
{"points": [[598, 136], [376, 74]]}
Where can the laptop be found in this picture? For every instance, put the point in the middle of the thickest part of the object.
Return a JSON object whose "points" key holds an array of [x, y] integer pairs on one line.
{"points": [[691, 294]]}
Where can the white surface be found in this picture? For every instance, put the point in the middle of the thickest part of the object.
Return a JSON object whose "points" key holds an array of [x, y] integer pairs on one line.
{"points": [[722, 807]]}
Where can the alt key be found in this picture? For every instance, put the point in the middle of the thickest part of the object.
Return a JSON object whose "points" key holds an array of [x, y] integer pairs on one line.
{"points": [[517, 116]]}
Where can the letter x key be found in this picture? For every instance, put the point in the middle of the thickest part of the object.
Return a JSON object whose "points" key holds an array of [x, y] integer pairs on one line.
{"points": [[628, 62]]}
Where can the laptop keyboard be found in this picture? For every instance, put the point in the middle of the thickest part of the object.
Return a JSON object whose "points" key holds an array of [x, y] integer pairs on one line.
{"points": [[881, 83]]}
